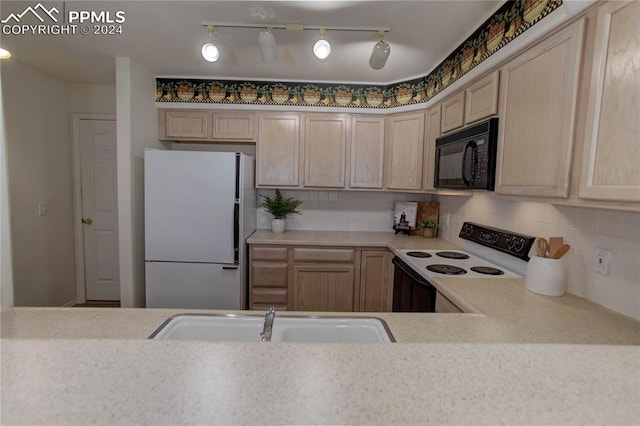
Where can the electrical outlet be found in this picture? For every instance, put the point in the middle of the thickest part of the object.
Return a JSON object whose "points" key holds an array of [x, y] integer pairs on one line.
{"points": [[42, 209], [601, 260]]}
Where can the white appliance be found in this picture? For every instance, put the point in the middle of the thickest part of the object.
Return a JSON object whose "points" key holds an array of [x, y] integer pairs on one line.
{"points": [[200, 207]]}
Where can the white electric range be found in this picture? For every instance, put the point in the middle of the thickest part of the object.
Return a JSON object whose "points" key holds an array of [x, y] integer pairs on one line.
{"points": [[489, 253]]}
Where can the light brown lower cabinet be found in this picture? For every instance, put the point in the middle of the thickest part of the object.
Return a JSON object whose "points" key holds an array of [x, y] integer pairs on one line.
{"points": [[268, 278], [320, 278], [324, 287], [376, 281]]}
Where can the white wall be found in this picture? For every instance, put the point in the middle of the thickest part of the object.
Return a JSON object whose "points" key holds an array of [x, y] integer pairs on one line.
{"points": [[6, 270], [92, 98], [582, 228], [38, 143], [137, 125], [340, 210]]}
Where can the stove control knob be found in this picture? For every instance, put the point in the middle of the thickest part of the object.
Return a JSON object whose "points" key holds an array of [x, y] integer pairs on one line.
{"points": [[494, 238], [519, 245], [511, 242]]}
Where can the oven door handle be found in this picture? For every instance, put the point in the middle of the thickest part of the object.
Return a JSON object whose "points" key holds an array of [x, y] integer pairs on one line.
{"points": [[474, 153], [409, 271]]}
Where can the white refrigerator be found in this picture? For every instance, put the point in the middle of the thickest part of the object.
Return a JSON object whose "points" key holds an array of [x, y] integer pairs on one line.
{"points": [[200, 207]]}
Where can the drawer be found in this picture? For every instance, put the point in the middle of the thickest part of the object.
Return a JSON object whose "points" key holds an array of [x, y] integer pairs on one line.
{"points": [[269, 296], [269, 274], [323, 255], [268, 253]]}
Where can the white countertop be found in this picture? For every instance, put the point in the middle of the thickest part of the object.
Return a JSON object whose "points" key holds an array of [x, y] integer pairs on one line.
{"points": [[495, 366]]}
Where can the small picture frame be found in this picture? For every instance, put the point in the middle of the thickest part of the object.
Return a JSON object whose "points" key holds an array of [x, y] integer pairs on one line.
{"points": [[404, 216]]}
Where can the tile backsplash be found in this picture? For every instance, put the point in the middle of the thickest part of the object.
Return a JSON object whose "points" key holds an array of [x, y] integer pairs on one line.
{"points": [[583, 228], [340, 210]]}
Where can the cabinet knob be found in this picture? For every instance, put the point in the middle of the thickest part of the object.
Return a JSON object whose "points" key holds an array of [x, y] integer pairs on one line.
{"points": [[87, 220]]}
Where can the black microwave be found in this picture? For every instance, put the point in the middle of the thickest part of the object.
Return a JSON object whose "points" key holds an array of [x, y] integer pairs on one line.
{"points": [[466, 159]]}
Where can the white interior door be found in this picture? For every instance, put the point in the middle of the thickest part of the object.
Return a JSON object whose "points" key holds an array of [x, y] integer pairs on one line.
{"points": [[99, 209]]}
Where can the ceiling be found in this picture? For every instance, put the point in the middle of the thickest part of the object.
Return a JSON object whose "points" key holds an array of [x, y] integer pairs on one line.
{"points": [[165, 37]]}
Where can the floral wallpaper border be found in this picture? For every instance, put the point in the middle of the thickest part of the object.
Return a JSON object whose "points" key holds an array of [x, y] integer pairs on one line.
{"points": [[512, 19]]}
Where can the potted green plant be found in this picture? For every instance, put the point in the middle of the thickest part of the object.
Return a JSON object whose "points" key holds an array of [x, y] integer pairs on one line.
{"points": [[429, 228], [279, 207]]}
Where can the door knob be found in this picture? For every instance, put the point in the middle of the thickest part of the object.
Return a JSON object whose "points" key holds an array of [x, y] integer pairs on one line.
{"points": [[87, 220]]}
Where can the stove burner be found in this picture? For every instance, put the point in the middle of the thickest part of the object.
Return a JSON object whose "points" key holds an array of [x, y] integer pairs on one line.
{"points": [[418, 254], [446, 269], [487, 270], [452, 255]]}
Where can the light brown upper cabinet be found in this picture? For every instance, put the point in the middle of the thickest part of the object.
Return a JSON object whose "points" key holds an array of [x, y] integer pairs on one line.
{"points": [[538, 93], [234, 126], [432, 123], [611, 156], [366, 152], [325, 150], [278, 150], [481, 98], [404, 151], [453, 112], [206, 126], [184, 125]]}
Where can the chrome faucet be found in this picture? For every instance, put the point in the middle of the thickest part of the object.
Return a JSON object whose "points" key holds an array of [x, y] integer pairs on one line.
{"points": [[268, 324]]}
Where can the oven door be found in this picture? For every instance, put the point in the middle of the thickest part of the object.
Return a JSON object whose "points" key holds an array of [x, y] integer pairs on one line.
{"points": [[456, 164], [411, 291]]}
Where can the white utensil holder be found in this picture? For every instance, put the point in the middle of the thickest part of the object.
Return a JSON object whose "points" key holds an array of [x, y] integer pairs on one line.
{"points": [[546, 276]]}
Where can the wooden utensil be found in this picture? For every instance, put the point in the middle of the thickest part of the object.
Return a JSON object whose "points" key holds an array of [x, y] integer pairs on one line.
{"points": [[554, 244], [561, 251], [542, 246]]}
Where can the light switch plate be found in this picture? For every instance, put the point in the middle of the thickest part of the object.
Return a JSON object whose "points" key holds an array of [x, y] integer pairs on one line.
{"points": [[601, 260]]}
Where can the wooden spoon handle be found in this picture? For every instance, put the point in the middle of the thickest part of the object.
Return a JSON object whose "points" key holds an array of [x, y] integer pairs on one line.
{"points": [[561, 251], [541, 247]]}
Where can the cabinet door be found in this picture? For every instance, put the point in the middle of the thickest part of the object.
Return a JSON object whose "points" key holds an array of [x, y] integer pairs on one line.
{"points": [[432, 133], [481, 98], [376, 281], [234, 126], [537, 114], [323, 287], [278, 150], [404, 151], [184, 125], [325, 150], [453, 112], [366, 152], [611, 157]]}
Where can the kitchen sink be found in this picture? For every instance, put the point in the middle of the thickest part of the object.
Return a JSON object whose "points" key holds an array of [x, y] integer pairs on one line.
{"points": [[247, 328]]}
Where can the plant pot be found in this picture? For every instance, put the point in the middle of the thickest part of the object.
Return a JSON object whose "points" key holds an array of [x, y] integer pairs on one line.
{"points": [[429, 232], [277, 226]]}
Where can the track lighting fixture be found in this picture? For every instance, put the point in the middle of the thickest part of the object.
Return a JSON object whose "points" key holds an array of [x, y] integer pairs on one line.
{"points": [[4, 54], [210, 50], [267, 44], [322, 48], [380, 53]]}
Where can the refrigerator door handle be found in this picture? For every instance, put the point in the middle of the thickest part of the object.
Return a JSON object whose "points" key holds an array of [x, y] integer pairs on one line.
{"points": [[234, 266], [236, 232]]}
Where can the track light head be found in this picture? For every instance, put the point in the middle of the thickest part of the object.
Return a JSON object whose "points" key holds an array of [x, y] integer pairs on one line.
{"points": [[210, 50], [380, 53], [267, 44], [322, 48], [4, 53]]}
